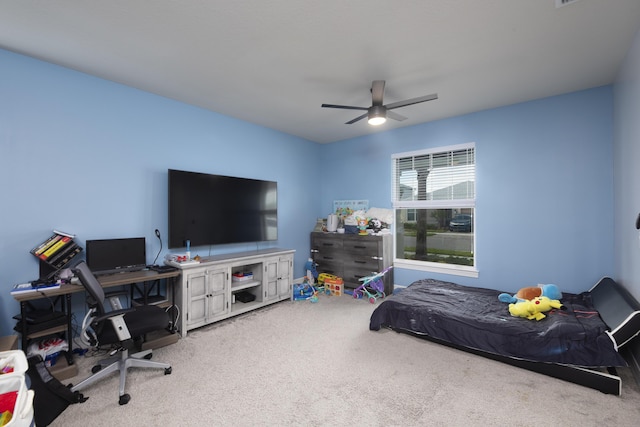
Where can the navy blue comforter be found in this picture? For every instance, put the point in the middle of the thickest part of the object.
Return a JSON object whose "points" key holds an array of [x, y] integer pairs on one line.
{"points": [[475, 318]]}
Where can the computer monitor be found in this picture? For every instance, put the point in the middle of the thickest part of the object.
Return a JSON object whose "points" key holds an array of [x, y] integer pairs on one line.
{"points": [[108, 256]]}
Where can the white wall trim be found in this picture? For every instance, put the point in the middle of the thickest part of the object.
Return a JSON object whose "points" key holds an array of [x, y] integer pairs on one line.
{"points": [[434, 267]]}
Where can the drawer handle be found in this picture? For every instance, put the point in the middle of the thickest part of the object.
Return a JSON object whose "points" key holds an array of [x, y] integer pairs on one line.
{"points": [[377, 258], [327, 257], [359, 247], [360, 262], [314, 251], [327, 244]]}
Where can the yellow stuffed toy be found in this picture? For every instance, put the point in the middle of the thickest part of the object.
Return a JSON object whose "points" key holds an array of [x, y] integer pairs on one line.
{"points": [[533, 309]]}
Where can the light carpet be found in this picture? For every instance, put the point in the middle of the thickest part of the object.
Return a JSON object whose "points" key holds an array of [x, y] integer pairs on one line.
{"points": [[317, 364]]}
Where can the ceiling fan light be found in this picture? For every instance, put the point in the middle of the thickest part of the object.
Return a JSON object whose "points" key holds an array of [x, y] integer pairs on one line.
{"points": [[377, 116], [376, 121]]}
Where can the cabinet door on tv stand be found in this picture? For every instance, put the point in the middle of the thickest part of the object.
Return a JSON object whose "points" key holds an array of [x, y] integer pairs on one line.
{"points": [[278, 273], [271, 274], [285, 277], [197, 298], [207, 297], [218, 282]]}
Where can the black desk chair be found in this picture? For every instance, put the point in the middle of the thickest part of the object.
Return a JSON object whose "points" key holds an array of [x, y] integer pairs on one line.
{"points": [[125, 328]]}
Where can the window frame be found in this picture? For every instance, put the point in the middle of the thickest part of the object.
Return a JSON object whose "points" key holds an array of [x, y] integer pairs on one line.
{"points": [[467, 203]]}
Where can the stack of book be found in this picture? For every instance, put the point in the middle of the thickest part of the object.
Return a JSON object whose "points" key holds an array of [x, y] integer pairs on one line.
{"points": [[241, 276], [57, 250]]}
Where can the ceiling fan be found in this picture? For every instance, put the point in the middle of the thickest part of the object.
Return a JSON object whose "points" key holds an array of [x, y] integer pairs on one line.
{"points": [[378, 112]]}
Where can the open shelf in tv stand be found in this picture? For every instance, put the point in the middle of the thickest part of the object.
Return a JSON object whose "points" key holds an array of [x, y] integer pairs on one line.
{"points": [[206, 291]]}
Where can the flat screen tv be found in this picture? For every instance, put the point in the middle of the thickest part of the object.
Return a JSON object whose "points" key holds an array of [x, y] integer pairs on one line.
{"points": [[107, 256], [207, 209]]}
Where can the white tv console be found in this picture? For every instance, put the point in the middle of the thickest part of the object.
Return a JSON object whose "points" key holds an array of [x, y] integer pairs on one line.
{"points": [[206, 292]]}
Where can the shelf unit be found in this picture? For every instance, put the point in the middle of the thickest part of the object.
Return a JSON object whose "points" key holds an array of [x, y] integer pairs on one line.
{"points": [[61, 327], [207, 293]]}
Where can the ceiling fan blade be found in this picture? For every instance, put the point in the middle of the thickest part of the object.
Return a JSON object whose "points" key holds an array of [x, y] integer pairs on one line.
{"points": [[412, 101], [395, 116], [344, 107], [377, 92], [350, 122]]}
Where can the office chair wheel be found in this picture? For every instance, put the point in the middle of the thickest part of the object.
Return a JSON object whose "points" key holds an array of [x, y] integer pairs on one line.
{"points": [[96, 368], [167, 371], [124, 399]]}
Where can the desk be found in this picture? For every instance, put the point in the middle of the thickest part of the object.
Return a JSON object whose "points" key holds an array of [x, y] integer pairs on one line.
{"points": [[63, 294]]}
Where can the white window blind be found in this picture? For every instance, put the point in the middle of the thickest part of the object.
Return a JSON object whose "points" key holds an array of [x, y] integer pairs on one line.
{"points": [[434, 178]]}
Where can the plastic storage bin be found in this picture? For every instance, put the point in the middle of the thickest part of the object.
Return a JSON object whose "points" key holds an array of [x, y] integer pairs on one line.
{"points": [[13, 391], [13, 362], [14, 396]]}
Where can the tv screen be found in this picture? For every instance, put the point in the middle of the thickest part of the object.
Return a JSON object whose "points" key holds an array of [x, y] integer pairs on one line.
{"points": [[116, 255], [208, 209]]}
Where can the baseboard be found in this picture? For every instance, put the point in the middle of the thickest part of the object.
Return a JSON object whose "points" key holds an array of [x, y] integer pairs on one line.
{"points": [[299, 280]]}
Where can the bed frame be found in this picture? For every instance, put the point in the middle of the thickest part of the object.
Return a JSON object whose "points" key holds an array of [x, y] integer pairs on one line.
{"points": [[621, 313]]}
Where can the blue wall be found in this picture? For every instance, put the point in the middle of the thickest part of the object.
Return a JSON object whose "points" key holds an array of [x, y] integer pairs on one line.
{"points": [[627, 173], [90, 156], [544, 187], [626, 148]]}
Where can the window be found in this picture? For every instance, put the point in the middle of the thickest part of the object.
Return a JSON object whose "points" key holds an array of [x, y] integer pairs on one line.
{"points": [[434, 204]]}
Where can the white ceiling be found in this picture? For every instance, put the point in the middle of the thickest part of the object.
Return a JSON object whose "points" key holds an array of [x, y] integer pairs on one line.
{"points": [[274, 62]]}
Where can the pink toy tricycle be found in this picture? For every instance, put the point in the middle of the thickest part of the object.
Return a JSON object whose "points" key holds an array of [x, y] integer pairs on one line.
{"points": [[372, 287]]}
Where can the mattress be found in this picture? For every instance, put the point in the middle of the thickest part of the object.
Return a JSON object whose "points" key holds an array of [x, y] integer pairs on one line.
{"points": [[475, 318]]}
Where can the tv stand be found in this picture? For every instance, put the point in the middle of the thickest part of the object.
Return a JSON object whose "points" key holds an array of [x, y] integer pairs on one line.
{"points": [[207, 292]]}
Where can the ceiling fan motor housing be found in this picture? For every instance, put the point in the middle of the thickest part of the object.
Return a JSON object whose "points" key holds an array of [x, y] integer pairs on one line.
{"points": [[377, 114]]}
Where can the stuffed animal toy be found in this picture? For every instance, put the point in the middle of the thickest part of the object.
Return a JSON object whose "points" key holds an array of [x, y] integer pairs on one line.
{"points": [[531, 292], [533, 309], [375, 224]]}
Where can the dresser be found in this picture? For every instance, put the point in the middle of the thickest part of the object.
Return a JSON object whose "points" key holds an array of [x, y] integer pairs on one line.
{"points": [[351, 256]]}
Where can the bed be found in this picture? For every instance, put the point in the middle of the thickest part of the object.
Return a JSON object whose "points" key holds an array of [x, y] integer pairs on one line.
{"points": [[578, 343]]}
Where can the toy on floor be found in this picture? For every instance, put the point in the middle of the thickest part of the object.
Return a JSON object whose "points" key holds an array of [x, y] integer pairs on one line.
{"points": [[333, 286], [324, 276], [372, 287], [304, 292], [312, 273]]}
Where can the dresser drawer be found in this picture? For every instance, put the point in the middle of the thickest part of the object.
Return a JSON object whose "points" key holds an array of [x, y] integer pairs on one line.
{"points": [[326, 243], [352, 275], [328, 256], [361, 245], [366, 262], [331, 267]]}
